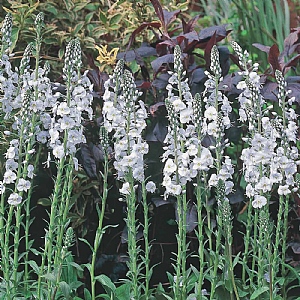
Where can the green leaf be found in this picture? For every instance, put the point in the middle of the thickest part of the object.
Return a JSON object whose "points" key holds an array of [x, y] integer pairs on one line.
{"points": [[104, 297], [51, 9], [123, 291], [79, 6], [78, 27], [61, 53], [107, 284], [34, 266], [88, 18], [115, 19], [76, 266], [65, 289], [92, 6], [86, 242], [258, 292], [87, 294], [44, 202], [103, 18]]}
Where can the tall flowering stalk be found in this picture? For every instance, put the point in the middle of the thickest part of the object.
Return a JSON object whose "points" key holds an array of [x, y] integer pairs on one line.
{"points": [[18, 98], [176, 170], [270, 163], [216, 120], [285, 166], [125, 116], [104, 139], [64, 132], [257, 157]]}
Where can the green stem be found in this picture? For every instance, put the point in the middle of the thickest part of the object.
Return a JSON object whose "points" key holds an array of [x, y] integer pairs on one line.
{"points": [[99, 232], [9, 289], [254, 247], [200, 234], [146, 241], [132, 235], [247, 241]]}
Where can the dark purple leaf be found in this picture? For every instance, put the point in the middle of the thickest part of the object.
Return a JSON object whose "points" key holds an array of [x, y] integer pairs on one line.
{"points": [[262, 47], [97, 152], [190, 26], [158, 62], [207, 51], [270, 91], [296, 248], [224, 59], [290, 41], [291, 79], [295, 91], [291, 63], [88, 161], [160, 14], [207, 33], [189, 37], [160, 130], [273, 58], [191, 216], [170, 16], [97, 78], [236, 197], [198, 75], [160, 202], [139, 29], [124, 235], [144, 51], [158, 109], [161, 81]]}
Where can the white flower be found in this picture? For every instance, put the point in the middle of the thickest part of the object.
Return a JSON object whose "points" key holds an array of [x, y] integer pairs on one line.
{"points": [[54, 135], [150, 187], [30, 170], [11, 152], [58, 151], [241, 85], [259, 201], [14, 199], [213, 181], [9, 177], [75, 161], [178, 105], [170, 167], [211, 113], [63, 109], [11, 164], [283, 190], [66, 123], [23, 185], [173, 189], [185, 115], [212, 129], [264, 185], [250, 191], [125, 190]]}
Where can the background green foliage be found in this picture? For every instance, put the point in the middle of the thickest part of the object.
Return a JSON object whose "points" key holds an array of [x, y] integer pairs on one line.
{"points": [[93, 22]]}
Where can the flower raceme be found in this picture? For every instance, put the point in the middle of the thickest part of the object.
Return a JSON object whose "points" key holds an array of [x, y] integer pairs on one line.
{"points": [[272, 157], [184, 155]]}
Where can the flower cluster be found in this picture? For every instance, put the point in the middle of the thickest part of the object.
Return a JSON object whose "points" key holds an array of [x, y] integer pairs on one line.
{"points": [[6, 32], [216, 121], [271, 158], [184, 155], [125, 116], [67, 113]]}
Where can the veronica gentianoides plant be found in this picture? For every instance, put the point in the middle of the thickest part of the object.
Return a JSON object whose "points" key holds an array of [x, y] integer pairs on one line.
{"points": [[124, 116], [216, 121]]}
